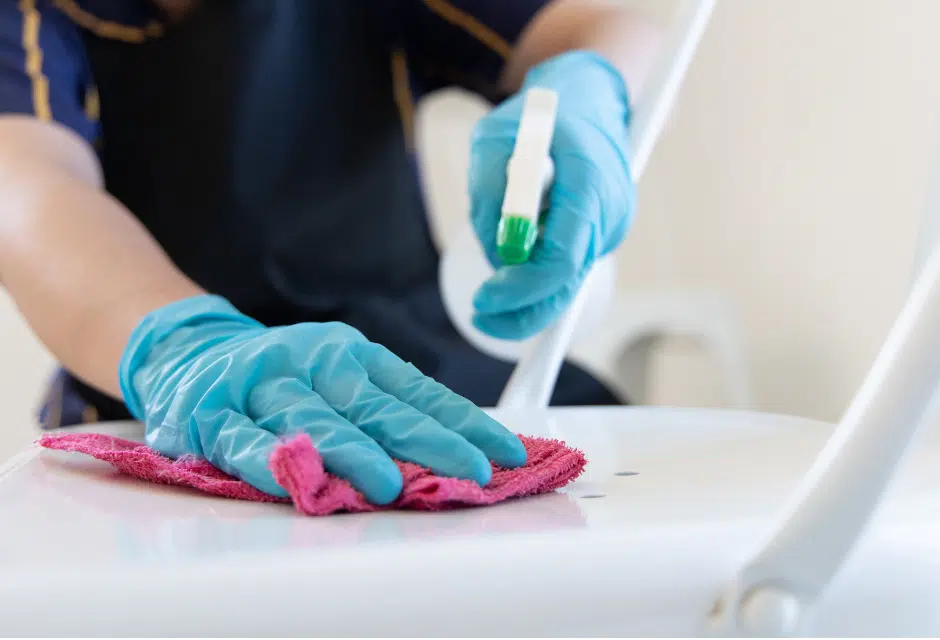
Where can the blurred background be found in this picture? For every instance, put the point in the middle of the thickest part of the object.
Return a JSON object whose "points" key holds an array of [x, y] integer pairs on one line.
{"points": [[790, 181]]}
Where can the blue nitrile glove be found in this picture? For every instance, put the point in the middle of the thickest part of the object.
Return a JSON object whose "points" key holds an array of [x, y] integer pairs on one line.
{"points": [[210, 381], [590, 203]]}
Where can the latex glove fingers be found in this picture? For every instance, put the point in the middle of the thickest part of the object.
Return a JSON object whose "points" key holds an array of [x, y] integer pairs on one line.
{"points": [[406, 383]]}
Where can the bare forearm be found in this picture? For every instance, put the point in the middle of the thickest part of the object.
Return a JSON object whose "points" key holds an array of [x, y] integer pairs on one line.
{"points": [[81, 269], [622, 36]]}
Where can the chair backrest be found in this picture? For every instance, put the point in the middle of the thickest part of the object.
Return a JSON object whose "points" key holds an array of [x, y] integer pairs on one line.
{"points": [[831, 509]]}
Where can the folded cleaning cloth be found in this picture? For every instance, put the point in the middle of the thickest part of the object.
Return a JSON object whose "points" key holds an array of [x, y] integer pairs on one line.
{"points": [[298, 468]]}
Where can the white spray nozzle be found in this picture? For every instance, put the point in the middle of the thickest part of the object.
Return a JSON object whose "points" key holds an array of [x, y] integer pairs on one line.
{"points": [[529, 173]]}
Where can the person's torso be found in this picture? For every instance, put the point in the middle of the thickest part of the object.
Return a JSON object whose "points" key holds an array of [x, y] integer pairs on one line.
{"points": [[261, 144]]}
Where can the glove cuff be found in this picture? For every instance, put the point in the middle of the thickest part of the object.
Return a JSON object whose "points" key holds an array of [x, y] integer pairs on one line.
{"points": [[159, 324]]}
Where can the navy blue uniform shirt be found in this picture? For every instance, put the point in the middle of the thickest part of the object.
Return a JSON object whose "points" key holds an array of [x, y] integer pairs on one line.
{"points": [[265, 146]]}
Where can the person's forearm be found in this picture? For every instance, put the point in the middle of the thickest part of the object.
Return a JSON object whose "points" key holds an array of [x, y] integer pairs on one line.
{"points": [[79, 266], [622, 36]]}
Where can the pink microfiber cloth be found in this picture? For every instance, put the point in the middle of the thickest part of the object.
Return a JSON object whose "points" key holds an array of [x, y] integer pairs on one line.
{"points": [[298, 468]]}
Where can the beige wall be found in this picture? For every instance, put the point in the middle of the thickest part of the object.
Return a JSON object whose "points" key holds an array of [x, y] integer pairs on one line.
{"points": [[791, 178]]}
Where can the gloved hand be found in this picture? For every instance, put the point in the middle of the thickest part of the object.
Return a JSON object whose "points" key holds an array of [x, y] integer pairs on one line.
{"points": [[207, 380], [590, 203]]}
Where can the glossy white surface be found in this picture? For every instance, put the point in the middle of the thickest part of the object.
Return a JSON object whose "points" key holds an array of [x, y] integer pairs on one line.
{"points": [[86, 551]]}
